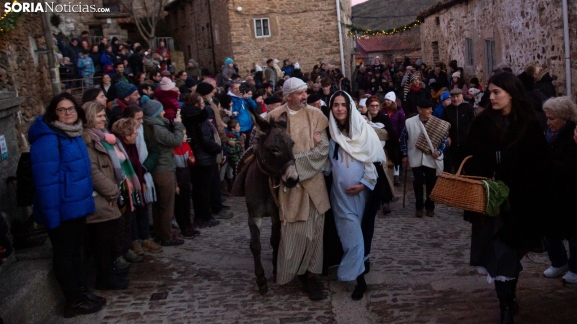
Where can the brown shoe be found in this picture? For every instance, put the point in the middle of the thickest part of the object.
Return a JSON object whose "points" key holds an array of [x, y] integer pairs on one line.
{"points": [[419, 213], [386, 209], [151, 246], [137, 248], [430, 213]]}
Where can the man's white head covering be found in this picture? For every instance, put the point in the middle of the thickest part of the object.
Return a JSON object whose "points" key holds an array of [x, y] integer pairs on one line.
{"points": [[361, 142], [363, 102], [293, 85], [391, 96], [258, 68]]}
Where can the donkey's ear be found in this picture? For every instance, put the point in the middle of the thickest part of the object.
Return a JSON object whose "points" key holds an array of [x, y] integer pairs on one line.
{"points": [[282, 120], [260, 122]]}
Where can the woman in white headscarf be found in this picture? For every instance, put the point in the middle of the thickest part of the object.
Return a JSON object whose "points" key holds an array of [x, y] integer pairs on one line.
{"points": [[354, 146]]}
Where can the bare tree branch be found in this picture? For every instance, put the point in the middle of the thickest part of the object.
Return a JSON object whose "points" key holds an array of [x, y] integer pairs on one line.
{"points": [[145, 14]]}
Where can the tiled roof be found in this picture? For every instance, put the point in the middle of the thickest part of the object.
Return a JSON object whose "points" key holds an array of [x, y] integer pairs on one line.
{"points": [[400, 42]]}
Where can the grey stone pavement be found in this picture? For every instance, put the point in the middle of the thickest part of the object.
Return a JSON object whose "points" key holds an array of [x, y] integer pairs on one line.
{"points": [[419, 274]]}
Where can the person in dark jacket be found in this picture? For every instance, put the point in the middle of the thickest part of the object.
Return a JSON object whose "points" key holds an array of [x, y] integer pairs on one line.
{"points": [[73, 51], [460, 115], [545, 83], [203, 142], [507, 144], [417, 92], [561, 113], [95, 56], [135, 61], [62, 177]]}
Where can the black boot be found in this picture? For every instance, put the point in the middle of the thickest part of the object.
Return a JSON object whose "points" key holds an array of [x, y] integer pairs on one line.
{"points": [[313, 288], [80, 306], [360, 288], [111, 282], [92, 297], [367, 266], [506, 304], [514, 303]]}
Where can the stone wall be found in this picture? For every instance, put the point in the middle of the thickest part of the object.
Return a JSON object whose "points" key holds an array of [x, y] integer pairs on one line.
{"points": [[525, 32], [24, 74], [306, 31]]}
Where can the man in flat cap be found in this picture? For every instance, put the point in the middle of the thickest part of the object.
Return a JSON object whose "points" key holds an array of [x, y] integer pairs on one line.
{"points": [[460, 115], [302, 208]]}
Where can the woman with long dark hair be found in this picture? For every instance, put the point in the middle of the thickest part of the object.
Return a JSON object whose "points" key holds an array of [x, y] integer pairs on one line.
{"points": [[354, 147], [507, 144], [63, 199]]}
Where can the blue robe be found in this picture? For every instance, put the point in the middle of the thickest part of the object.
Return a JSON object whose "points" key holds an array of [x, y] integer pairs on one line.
{"points": [[348, 210]]}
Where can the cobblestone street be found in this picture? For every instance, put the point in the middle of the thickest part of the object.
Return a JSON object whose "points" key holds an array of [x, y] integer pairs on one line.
{"points": [[419, 274]]}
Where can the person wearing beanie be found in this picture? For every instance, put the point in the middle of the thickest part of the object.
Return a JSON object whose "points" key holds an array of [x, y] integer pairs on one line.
{"points": [[127, 93], [167, 93], [303, 206], [164, 135], [397, 117], [193, 70], [426, 165], [458, 82], [315, 100], [228, 70], [459, 114], [444, 101], [417, 92]]}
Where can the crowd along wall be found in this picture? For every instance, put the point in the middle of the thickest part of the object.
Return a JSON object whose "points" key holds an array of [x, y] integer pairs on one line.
{"points": [[522, 32]]}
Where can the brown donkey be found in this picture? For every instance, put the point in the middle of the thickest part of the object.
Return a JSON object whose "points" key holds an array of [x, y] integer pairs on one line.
{"points": [[264, 166]]}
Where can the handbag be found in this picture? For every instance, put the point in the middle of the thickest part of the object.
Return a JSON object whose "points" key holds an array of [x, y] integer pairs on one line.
{"points": [[438, 162], [108, 68]]}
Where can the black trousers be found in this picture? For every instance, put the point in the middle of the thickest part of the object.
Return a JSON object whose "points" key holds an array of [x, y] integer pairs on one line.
{"points": [[140, 224], [458, 154], [427, 177], [215, 196], [374, 202], [182, 200], [124, 232], [67, 240], [202, 180], [101, 241]]}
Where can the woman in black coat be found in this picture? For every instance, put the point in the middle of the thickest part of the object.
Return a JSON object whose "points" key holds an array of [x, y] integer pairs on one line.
{"points": [[560, 114], [507, 144]]}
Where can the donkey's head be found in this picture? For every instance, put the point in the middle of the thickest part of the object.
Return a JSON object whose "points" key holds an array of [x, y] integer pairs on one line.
{"points": [[275, 150]]}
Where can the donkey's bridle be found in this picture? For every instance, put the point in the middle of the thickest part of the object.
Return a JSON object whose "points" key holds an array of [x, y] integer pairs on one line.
{"points": [[275, 174]]}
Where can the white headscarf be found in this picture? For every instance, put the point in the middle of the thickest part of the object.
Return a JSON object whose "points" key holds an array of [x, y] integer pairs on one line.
{"points": [[362, 142]]}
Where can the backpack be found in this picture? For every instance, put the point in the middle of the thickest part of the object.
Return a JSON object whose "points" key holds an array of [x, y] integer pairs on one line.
{"points": [[25, 188]]}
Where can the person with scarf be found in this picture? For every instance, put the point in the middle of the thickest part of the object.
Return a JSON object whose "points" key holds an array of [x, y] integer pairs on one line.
{"points": [[561, 113], [107, 160], [126, 93], [63, 199], [397, 117], [417, 92], [165, 136], [147, 158], [354, 147]]}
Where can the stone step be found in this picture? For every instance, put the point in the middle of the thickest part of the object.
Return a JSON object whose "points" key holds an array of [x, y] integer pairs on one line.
{"points": [[28, 290]]}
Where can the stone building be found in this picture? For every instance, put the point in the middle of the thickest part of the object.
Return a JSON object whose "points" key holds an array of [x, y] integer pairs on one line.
{"points": [[387, 48], [480, 34], [25, 90], [306, 31]]}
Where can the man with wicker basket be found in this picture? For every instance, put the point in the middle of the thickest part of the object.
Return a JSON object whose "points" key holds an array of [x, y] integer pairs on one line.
{"points": [[423, 140]]}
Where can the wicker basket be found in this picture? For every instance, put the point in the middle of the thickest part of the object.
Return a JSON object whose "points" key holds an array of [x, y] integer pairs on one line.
{"points": [[463, 192]]}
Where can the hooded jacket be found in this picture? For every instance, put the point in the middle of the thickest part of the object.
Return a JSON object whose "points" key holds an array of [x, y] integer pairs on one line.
{"points": [[169, 100], [201, 132], [241, 106], [61, 174], [166, 140]]}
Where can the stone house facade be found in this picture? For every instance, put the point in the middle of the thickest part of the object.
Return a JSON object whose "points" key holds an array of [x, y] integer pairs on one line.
{"points": [[306, 31], [480, 34], [387, 48], [25, 90]]}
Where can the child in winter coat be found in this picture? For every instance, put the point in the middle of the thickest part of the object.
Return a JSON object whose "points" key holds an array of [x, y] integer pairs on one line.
{"points": [[235, 148], [184, 158], [167, 94]]}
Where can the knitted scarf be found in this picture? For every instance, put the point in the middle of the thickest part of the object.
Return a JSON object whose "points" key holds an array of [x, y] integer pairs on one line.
{"points": [[124, 174], [148, 185], [73, 130], [407, 87], [416, 89]]}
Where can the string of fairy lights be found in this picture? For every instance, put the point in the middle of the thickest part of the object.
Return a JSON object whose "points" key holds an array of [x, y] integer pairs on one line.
{"points": [[362, 32], [8, 19]]}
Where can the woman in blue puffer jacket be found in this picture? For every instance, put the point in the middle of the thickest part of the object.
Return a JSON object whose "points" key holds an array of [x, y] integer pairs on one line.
{"points": [[63, 198]]}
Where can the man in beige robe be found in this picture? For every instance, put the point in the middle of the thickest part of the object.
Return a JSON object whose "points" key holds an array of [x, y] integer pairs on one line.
{"points": [[302, 208]]}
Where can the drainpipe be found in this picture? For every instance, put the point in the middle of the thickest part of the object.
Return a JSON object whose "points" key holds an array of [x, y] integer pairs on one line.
{"points": [[567, 53], [340, 37]]}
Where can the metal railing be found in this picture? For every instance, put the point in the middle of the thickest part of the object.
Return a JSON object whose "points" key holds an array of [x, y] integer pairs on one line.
{"points": [[168, 42], [76, 86]]}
